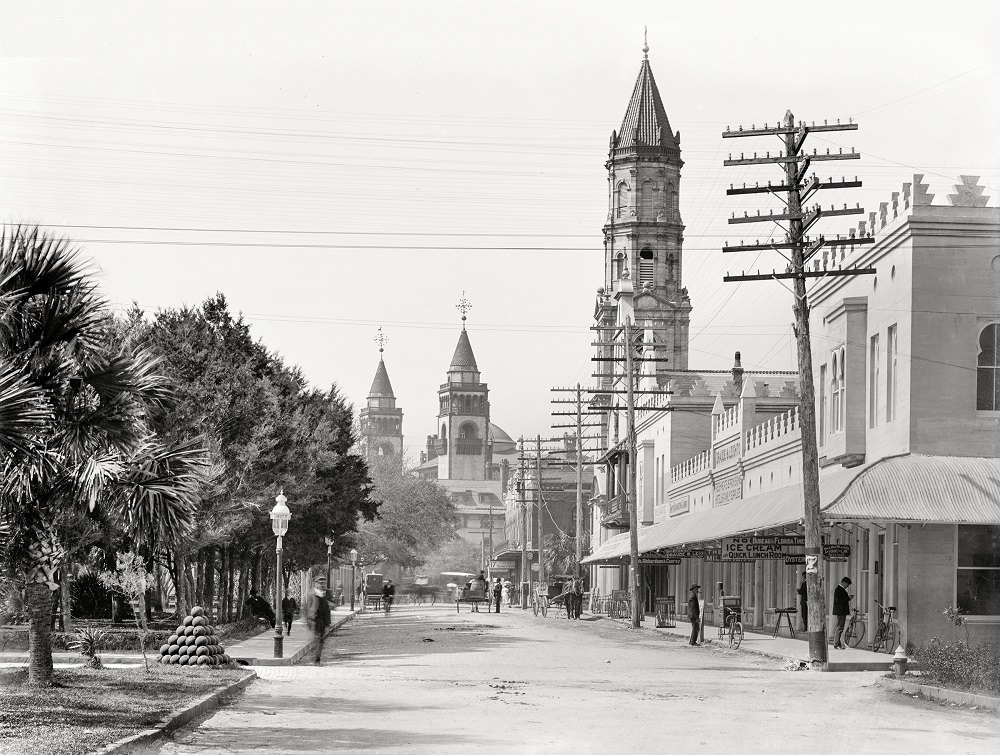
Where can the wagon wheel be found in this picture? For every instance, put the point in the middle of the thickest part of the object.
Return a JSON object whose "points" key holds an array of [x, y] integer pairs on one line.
{"points": [[545, 606], [534, 604]]}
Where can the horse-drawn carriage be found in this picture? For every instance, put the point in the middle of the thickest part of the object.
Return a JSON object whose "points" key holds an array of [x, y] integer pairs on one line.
{"points": [[546, 595], [373, 591]]}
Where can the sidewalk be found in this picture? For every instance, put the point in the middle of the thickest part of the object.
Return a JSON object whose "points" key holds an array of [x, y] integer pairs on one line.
{"points": [[259, 650], [784, 647], [254, 651]]}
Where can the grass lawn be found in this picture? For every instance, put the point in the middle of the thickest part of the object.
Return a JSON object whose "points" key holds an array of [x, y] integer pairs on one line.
{"points": [[87, 709]]}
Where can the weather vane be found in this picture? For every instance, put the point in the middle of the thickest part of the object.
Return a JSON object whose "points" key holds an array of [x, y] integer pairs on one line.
{"points": [[645, 44], [381, 340], [463, 306]]}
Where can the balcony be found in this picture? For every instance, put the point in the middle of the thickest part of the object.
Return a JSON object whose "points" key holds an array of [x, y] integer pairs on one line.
{"points": [[468, 447], [615, 513]]}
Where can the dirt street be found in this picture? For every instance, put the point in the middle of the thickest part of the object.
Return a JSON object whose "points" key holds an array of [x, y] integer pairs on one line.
{"points": [[427, 680]]}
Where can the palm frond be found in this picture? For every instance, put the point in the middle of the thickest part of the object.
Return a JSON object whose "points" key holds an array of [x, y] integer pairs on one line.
{"points": [[24, 412]]}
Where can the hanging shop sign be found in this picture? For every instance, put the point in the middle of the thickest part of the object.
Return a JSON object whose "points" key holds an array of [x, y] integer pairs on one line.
{"points": [[836, 552], [795, 560], [502, 565], [683, 552], [680, 505], [659, 560], [751, 548]]}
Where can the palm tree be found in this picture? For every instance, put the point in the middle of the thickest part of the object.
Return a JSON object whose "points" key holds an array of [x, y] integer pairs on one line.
{"points": [[95, 397]]}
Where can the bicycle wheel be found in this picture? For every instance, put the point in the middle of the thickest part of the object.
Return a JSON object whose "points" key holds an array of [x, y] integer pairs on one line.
{"points": [[736, 635], [892, 640], [855, 633], [534, 606], [879, 639], [545, 608]]}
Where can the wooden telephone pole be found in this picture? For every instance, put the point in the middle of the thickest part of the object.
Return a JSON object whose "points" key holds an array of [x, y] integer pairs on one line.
{"points": [[798, 189]]}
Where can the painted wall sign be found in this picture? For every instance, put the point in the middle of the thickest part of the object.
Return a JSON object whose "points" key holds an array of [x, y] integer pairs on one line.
{"points": [[684, 552], [659, 560], [729, 453], [728, 489], [680, 505]]}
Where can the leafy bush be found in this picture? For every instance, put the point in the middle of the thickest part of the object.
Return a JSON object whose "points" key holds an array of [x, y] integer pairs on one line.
{"points": [[89, 642], [960, 666]]}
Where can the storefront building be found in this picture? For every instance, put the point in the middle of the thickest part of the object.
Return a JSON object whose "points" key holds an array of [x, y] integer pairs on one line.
{"points": [[907, 377]]}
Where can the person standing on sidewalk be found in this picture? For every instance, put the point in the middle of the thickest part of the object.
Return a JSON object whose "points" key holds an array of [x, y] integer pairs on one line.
{"points": [[497, 593], [318, 616], [841, 608], [804, 604], [288, 609], [694, 615]]}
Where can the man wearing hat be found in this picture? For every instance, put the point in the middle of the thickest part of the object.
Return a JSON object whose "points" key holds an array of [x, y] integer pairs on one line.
{"points": [[694, 614]]}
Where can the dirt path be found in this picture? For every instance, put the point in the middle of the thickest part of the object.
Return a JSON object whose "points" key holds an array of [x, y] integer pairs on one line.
{"points": [[427, 680]]}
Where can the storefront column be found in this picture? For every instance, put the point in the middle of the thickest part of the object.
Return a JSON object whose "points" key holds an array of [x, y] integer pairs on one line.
{"points": [[758, 594], [891, 559], [873, 575]]}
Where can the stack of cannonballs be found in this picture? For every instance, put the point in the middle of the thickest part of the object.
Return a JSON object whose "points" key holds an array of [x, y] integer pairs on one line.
{"points": [[194, 643]]}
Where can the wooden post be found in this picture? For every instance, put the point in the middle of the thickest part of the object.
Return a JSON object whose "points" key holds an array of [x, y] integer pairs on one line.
{"points": [[579, 480], [538, 508]]}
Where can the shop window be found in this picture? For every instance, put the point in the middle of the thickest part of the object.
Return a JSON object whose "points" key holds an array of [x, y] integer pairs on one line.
{"points": [[988, 367], [977, 588]]}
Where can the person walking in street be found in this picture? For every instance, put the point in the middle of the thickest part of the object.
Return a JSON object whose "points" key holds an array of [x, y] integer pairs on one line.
{"points": [[804, 604], [388, 594], [318, 616], [841, 608], [288, 609], [497, 593], [694, 614]]}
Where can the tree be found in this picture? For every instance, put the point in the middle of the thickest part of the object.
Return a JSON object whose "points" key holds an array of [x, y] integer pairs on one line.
{"points": [[415, 517], [97, 395], [131, 580]]}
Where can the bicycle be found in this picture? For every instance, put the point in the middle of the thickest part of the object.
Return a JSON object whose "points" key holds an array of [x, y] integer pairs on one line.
{"points": [[887, 634], [855, 631], [387, 600], [732, 629]]}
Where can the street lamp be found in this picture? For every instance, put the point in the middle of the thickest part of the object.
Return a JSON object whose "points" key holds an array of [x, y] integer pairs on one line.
{"points": [[354, 561], [279, 525], [329, 559]]}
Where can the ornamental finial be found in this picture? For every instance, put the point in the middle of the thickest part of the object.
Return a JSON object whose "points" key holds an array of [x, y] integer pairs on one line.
{"points": [[645, 44], [463, 306], [381, 339]]}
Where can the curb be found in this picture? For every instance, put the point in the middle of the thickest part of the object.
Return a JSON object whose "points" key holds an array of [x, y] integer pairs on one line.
{"points": [[940, 694], [177, 718], [295, 657]]}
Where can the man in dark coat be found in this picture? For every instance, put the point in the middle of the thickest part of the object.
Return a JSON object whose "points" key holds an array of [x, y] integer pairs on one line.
{"points": [[318, 616], [804, 604], [260, 608], [841, 608], [288, 609], [694, 614]]}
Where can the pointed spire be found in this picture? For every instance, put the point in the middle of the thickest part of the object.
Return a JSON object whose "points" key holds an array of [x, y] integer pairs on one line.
{"points": [[645, 124], [463, 360], [718, 408], [381, 387]]}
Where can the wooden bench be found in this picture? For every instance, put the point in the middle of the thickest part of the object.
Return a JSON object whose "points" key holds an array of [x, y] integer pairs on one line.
{"points": [[475, 597]]}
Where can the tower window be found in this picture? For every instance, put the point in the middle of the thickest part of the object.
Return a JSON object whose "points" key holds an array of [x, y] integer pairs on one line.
{"points": [[621, 200], [648, 192], [619, 266], [647, 266]]}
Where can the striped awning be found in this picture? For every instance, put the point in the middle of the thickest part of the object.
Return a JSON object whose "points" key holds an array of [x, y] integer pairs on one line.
{"points": [[925, 489]]}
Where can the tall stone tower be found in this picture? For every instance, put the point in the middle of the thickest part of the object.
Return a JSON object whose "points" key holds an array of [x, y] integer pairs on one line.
{"points": [[643, 234], [381, 421], [464, 415]]}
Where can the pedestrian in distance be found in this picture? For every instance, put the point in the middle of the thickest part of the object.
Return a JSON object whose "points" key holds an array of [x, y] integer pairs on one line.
{"points": [[288, 609], [479, 583], [841, 608], [388, 594], [694, 614], [505, 593], [577, 598], [497, 593], [804, 604], [318, 617]]}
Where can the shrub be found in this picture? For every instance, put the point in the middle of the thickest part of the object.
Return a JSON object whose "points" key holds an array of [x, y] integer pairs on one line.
{"points": [[89, 642], [960, 666]]}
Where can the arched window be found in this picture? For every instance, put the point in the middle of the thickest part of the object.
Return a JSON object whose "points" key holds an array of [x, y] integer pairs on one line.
{"points": [[647, 266], [621, 200], [646, 197], [671, 199], [988, 370], [619, 265], [834, 394], [444, 432], [467, 432]]}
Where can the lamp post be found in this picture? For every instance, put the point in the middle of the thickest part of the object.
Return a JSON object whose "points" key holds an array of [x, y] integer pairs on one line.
{"points": [[354, 561], [329, 560], [279, 525]]}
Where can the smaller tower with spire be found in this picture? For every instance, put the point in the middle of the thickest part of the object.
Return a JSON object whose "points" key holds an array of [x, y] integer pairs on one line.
{"points": [[381, 421], [462, 445]]}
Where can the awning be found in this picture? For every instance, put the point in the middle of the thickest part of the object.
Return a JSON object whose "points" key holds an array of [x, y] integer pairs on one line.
{"points": [[914, 488], [611, 549]]}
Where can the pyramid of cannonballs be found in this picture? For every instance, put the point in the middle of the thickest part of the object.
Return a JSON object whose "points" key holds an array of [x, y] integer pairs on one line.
{"points": [[194, 643]]}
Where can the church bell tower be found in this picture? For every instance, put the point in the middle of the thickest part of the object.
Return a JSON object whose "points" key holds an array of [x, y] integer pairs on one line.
{"points": [[381, 422]]}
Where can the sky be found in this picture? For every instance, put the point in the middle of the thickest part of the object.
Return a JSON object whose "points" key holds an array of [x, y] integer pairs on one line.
{"points": [[332, 168]]}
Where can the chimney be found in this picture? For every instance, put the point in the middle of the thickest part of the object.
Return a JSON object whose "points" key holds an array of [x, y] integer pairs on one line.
{"points": [[737, 375]]}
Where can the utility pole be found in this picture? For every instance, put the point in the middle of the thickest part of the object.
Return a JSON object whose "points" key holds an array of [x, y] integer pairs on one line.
{"points": [[797, 189], [489, 571], [523, 502], [633, 514], [538, 509]]}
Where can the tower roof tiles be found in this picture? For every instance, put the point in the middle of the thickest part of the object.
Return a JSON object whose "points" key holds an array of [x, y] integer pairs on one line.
{"points": [[645, 124], [381, 385], [463, 360]]}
